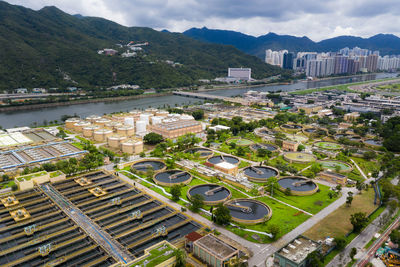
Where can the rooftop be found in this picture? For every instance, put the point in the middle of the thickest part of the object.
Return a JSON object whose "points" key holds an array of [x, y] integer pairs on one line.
{"points": [[298, 250], [216, 246]]}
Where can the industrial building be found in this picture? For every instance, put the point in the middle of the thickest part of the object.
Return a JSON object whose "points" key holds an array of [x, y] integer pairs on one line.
{"points": [[31, 155], [333, 177], [175, 129], [295, 253], [92, 220]]}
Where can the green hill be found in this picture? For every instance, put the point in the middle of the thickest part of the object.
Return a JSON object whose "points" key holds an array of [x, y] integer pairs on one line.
{"points": [[43, 48]]}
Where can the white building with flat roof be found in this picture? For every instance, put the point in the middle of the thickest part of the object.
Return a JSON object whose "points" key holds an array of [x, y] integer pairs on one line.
{"points": [[240, 73]]}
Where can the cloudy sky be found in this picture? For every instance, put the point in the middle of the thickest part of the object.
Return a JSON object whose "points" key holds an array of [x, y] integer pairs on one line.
{"points": [[317, 19]]}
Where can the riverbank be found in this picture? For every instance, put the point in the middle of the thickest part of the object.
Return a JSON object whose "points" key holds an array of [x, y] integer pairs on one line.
{"points": [[77, 102]]}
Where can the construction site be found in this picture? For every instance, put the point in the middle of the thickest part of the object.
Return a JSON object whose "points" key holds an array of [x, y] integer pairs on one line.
{"points": [[93, 220]]}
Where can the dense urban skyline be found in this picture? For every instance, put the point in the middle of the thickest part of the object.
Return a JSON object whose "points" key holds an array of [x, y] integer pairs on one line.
{"points": [[315, 19]]}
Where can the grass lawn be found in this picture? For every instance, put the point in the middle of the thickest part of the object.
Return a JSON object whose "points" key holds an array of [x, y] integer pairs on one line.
{"points": [[367, 166], [7, 184], [312, 204], [298, 166], [285, 217], [338, 222]]}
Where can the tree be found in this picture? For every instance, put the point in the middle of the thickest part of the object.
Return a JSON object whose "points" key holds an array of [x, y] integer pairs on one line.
{"points": [[314, 259], [353, 252], [180, 258], [288, 191], [271, 185], [349, 198], [197, 202], [262, 152], [301, 147], [5, 177], [340, 243], [222, 215], [274, 230], [395, 236], [153, 138], [368, 155], [360, 186], [176, 192], [358, 220], [170, 163], [198, 114], [315, 168]]}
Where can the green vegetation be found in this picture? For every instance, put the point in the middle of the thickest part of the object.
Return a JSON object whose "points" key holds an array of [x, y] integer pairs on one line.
{"points": [[49, 48], [156, 256], [27, 177], [153, 138]]}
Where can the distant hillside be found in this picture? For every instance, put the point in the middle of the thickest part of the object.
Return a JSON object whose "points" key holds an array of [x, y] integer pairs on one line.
{"points": [[50, 48], [385, 43]]}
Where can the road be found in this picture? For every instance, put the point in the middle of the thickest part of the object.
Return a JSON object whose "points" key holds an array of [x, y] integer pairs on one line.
{"points": [[102, 238], [377, 244]]}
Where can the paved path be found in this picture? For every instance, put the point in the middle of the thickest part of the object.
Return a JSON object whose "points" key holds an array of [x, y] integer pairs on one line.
{"points": [[115, 249], [359, 169]]}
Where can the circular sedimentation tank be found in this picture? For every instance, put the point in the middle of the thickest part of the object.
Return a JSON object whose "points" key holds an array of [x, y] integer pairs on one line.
{"points": [[240, 141], [143, 165], [299, 157], [213, 194], [172, 177], [260, 173], [372, 142], [268, 147], [248, 211], [203, 152], [328, 145], [332, 165], [338, 136], [355, 138], [291, 127], [300, 186], [264, 132], [223, 158]]}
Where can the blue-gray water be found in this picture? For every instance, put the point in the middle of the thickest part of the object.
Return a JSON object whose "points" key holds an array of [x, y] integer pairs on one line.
{"points": [[26, 118]]}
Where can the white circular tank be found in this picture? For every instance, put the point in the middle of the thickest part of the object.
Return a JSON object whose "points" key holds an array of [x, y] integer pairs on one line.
{"points": [[141, 126], [102, 121], [80, 125], [145, 117], [126, 130], [129, 121], [187, 117], [114, 141], [101, 135], [156, 120], [89, 130], [93, 118], [69, 123]]}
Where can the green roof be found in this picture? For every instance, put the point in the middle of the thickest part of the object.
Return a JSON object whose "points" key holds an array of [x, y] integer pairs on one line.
{"points": [[31, 175], [157, 255]]}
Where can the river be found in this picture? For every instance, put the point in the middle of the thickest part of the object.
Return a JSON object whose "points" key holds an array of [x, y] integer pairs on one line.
{"points": [[27, 118]]}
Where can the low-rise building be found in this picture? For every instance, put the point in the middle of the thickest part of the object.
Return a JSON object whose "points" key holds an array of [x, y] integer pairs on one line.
{"points": [[295, 253], [333, 177], [213, 251], [289, 145], [350, 117], [309, 109], [175, 129]]}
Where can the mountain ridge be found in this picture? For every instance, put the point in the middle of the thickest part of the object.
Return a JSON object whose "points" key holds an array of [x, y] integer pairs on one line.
{"points": [[40, 48], [387, 44]]}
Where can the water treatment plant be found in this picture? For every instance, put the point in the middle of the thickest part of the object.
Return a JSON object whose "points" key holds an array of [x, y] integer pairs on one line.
{"points": [[248, 211], [299, 157], [269, 147], [240, 141], [93, 220], [298, 185], [172, 177], [328, 145], [291, 127], [260, 174], [212, 193], [336, 165], [144, 165], [202, 152], [223, 158]]}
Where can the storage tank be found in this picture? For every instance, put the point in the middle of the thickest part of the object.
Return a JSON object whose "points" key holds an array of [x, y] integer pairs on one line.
{"points": [[162, 113], [126, 130], [129, 121], [69, 124], [186, 117], [145, 117], [140, 126], [101, 135], [89, 130], [80, 125], [132, 146], [114, 141], [113, 125], [156, 120], [152, 111], [102, 121], [93, 118]]}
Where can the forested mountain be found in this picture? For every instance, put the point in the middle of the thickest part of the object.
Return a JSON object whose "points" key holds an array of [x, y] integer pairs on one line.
{"points": [[385, 43], [49, 48]]}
